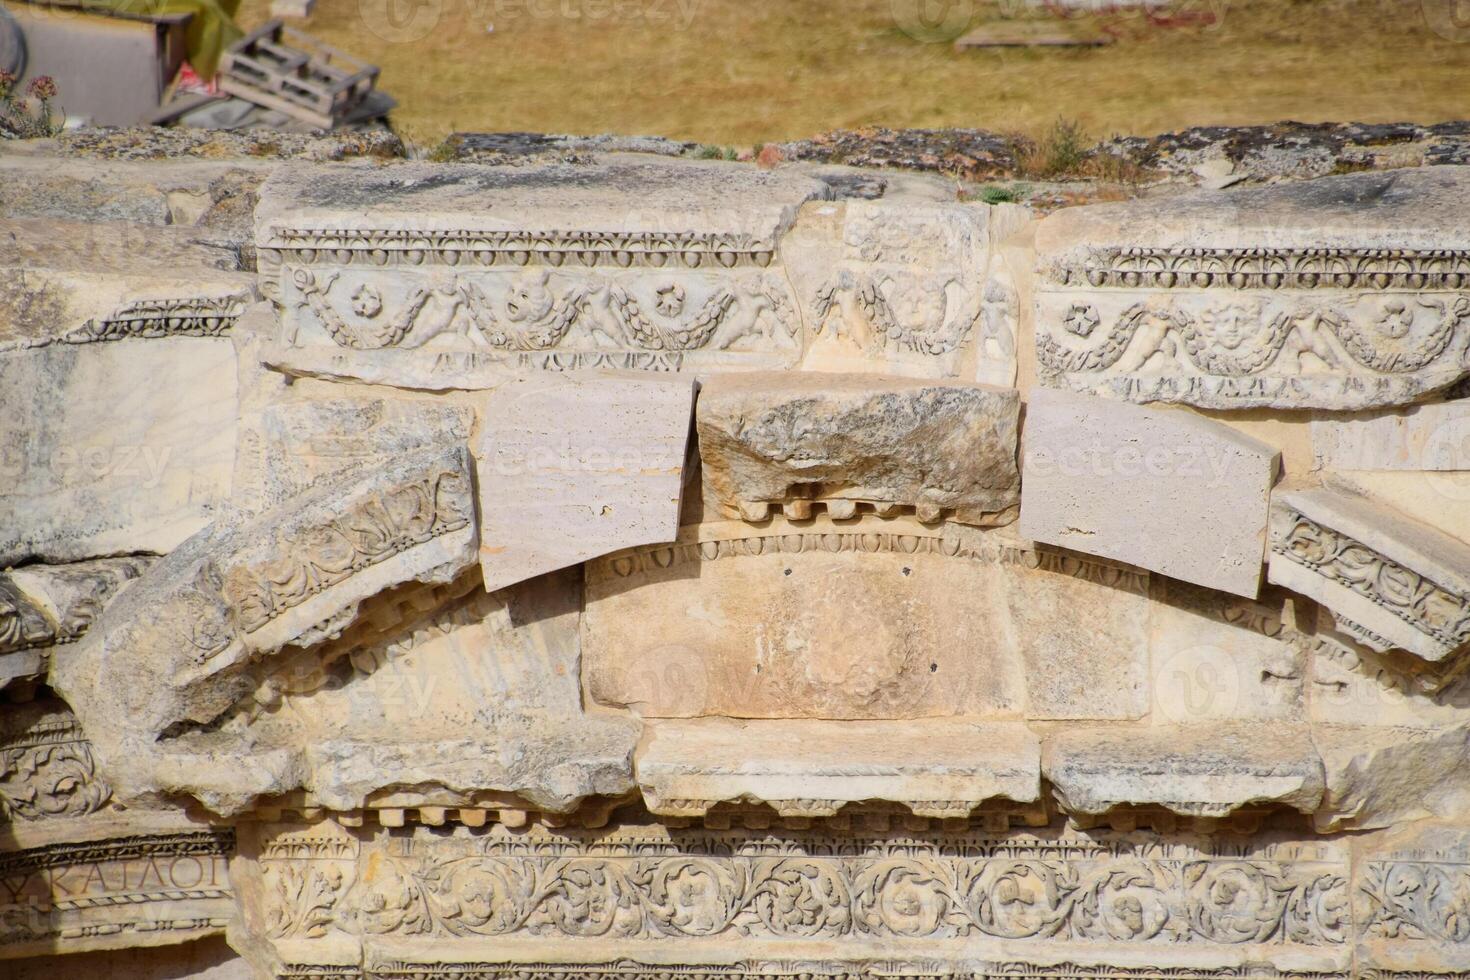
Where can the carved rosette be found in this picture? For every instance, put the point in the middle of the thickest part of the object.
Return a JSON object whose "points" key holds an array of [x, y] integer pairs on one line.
{"points": [[1250, 327], [461, 309]]}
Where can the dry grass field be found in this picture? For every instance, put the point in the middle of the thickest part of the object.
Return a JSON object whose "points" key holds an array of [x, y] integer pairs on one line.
{"points": [[740, 72]]}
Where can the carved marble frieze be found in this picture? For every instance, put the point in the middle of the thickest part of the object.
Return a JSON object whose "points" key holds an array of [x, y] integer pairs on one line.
{"points": [[44, 606], [147, 883], [79, 872], [1390, 582], [231, 597], [464, 283], [1274, 297], [370, 903]]}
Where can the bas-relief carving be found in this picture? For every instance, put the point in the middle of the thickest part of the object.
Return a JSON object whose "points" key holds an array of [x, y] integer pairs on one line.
{"points": [[334, 645], [1290, 296], [1245, 350]]}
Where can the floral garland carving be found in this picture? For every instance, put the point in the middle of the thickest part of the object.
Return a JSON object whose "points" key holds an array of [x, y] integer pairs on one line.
{"points": [[1414, 599], [323, 555]]}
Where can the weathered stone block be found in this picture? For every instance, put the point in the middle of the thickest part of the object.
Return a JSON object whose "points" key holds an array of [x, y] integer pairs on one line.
{"points": [[177, 651], [944, 450], [115, 447], [1343, 292], [1120, 481], [1389, 581], [570, 470], [810, 768], [1197, 770]]}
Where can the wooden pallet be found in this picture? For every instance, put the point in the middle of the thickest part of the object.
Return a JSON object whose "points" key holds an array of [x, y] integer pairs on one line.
{"points": [[284, 69]]}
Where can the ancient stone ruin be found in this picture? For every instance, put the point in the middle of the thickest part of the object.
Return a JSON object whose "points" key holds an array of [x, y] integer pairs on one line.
{"points": [[639, 568]]}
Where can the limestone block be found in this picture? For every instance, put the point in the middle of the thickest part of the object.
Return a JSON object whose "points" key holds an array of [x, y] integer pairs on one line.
{"points": [[811, 768], [480, 692], [310, 436], [74, 283], [1218, 657], [117, 447], [897, 286], [464, 275], [1204, 770], [869, 619], [1433, 438], [1389, 776], [1123, 481], [174, 653], [573, 469], [944, 450], [1339, 293], [1389, 581]]}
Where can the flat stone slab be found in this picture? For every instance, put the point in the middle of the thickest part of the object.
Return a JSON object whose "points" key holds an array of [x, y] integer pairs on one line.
{"points": [[1124, 482], [811, 768], [114, 447], [464, 275], [1203, 770], [1390, 581], [1337, 293], [785, 440], [570, 470]]}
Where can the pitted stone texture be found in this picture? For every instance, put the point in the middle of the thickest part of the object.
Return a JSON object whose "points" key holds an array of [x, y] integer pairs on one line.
{"points": [[1338, 293], [466, 275], [943, 450], [869, 619], [75, 283], [301, 439], [1390, 776], [1203, 770], [809, 768], [894, 285], [173, 654], [113, 448], [1425, 438], [573, 469], [1123, 482], [1390, 581]]}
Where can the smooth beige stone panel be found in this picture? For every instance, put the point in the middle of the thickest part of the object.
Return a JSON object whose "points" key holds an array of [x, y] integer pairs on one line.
{"points": [[1125, 482], [573, 469]]}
